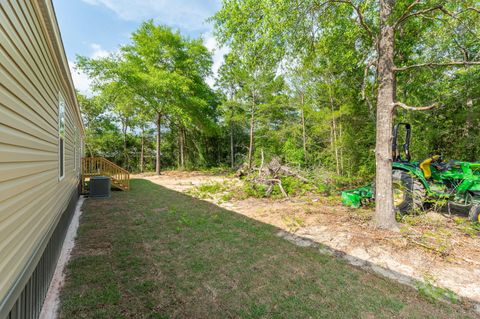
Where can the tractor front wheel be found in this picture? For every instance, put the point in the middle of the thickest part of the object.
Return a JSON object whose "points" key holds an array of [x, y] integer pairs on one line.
{"points": [[408, 192], [474, 214]]}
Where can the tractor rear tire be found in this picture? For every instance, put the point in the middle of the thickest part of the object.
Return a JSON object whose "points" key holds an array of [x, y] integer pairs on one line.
{"points": [[409, 193], [474, 214]]}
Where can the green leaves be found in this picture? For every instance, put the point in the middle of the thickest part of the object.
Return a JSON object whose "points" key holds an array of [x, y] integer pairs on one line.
{"points": [[159, 72]]}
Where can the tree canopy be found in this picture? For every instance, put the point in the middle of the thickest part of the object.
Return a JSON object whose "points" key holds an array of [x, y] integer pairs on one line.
{"points": [[158, 78]]}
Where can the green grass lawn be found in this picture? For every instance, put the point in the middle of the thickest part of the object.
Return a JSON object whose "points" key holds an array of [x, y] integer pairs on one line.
{"points": [[156, 253]]}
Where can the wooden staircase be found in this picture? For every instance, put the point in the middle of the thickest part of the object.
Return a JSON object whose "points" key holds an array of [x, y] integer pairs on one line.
{"points": [[99, 166]]}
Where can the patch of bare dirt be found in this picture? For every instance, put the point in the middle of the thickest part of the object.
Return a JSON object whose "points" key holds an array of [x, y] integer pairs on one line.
{"points": [[432, 247], [181, 180]]}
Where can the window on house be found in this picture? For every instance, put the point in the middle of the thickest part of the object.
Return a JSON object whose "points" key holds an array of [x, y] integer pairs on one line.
{"points": [[80, 154], [61, 137], [75, 151]]}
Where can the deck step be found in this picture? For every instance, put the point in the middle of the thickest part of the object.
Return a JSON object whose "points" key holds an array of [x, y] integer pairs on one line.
{"points": [[99, 166]]}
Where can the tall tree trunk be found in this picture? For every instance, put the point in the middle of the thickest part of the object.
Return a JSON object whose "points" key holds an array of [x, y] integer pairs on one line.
{"points": [[252, 124], [304, 134], [384, 209], [89, 150], [342, 169], [142, 151], [181, 142], [334, 136], [185, 151], [469, 127], [232, 147], [125, 150], [470, 116], [158, 162], [177, 150]]}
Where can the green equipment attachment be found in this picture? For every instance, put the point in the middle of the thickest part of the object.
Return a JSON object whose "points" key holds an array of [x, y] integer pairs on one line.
{"points": [[357, 197]]}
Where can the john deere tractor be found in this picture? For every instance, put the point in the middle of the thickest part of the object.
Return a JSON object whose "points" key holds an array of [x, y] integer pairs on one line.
{"points": [[417, 184]]}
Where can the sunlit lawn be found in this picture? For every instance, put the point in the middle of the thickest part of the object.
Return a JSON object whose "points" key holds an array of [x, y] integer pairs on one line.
{"points": [[156, 253]]}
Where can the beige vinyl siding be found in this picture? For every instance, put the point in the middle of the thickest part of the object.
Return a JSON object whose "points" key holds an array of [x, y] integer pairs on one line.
{"points": [[32, 77]]}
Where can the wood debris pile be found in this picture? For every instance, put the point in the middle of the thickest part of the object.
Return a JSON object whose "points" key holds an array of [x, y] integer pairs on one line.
{"points": [[270, 175]]}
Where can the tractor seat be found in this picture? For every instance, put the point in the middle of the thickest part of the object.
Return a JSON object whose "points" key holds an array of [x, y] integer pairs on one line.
{"points": [[425, 165]]}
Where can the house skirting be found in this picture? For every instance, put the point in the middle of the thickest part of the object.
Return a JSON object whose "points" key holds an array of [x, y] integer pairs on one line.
{"points": [[26, 297]]}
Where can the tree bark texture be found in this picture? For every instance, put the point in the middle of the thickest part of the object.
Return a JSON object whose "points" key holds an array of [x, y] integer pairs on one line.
{"points": [[384, 209]]}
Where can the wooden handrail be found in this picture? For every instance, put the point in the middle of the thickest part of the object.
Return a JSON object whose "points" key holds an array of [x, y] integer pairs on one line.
{"points": [[96, 166], [109, 163]]}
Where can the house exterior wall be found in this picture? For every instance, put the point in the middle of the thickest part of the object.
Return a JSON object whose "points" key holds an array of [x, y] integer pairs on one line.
{"points": [[34, 199]]}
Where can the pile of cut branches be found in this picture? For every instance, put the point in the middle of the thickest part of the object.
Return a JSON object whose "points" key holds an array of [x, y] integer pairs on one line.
{"points": [[270, 175]]}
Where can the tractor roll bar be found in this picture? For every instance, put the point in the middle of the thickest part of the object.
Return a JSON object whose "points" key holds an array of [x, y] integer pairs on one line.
{"points": [[397, 156]]}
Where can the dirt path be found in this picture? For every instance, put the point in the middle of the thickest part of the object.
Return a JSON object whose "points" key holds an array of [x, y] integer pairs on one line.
{"points": [[435, 251]]}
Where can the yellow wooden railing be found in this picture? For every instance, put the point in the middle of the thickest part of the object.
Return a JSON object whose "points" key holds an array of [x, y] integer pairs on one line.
{"points": [[99, 166]]}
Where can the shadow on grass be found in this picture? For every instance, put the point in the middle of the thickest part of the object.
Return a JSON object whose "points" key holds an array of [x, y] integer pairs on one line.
{"points": [[156, 253]]}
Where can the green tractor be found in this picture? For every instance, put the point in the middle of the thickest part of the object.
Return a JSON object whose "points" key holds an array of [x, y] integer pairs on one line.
{"points": [[416, 184]]}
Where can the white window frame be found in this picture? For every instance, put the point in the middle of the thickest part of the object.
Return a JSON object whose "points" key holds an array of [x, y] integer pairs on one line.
{"points": [[80, 154], [62, 106], [75, 150]]}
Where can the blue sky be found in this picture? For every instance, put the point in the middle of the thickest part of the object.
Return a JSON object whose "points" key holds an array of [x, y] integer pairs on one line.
{"points": [[94, 28]]}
